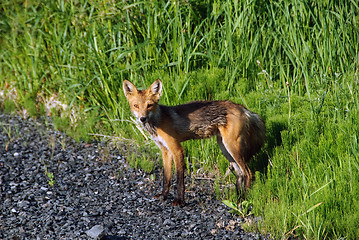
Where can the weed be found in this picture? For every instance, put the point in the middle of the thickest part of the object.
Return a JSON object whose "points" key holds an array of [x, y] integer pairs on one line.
{"points": [[63, 144], [242, 209], [11, 134], [50, 179], [8, 106], [49, 175], [146, 165]]}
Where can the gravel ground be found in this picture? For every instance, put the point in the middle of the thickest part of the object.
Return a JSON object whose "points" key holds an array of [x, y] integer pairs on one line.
{"points": [[55, 188]]}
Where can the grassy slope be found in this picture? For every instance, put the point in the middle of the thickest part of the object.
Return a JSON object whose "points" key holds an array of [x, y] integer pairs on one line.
{"points": [[293, 62]]}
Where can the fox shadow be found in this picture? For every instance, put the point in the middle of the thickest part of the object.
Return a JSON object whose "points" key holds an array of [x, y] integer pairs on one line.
{"points": [[273, 139]]}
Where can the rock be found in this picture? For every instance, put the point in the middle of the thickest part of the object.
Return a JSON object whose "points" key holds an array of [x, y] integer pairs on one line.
{"points": [[167, 222], [23, 204], [96, 232]]}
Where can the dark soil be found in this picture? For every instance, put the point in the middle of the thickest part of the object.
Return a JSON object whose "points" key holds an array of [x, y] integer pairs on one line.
{"points": [[52, 187]]}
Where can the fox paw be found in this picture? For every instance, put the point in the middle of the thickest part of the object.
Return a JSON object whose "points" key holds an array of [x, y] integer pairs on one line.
{"points": [[158, 196], [178, 203], [161, 196]]}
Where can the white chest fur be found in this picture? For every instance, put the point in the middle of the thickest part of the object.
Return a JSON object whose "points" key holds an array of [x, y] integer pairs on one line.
{"points": [[160, 142]]}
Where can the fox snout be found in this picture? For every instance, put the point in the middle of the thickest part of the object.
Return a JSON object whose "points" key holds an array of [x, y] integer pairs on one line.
{"points": [[143, 115], [143, 119]]}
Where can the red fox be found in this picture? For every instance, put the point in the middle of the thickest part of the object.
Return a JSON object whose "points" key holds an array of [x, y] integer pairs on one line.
{"points": [[240, 133]]}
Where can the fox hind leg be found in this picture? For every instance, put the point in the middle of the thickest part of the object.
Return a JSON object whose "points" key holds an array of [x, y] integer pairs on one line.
{"points": [[231, 150]]}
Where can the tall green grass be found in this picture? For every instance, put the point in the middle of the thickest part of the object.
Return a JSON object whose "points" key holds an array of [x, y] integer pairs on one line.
{"points": [[293, 62], [312, 182]]}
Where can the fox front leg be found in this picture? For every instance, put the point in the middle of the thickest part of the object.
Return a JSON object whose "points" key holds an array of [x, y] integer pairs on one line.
{"points": [[167, 173], [178, 156]]}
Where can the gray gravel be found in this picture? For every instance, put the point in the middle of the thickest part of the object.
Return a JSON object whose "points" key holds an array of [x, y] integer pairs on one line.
{"points": [[93, 192]]}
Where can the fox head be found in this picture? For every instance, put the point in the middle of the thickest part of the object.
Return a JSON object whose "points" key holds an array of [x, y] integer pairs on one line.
{"points": [[143, 103]]}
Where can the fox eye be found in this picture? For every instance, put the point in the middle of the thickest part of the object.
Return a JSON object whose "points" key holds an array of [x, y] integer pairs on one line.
{"points": [[135, 105]]}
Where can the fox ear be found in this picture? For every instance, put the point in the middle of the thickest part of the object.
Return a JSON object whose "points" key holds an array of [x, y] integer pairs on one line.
{"points": [[128, 88], [156, 87]]}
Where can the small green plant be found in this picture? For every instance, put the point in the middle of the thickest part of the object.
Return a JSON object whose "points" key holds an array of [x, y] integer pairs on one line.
{"points": [[132, 160], [49, 175], [146, 165], [9, 106], [62, 142], [61, 123], [7, 129], [223, 165], [11, 134], [52, 144], [242, 209], [35, 109], [50, 178], [217, 189]]}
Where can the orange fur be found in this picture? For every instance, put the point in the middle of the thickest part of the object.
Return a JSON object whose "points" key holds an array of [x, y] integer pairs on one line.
{"points": [[240, 133]]}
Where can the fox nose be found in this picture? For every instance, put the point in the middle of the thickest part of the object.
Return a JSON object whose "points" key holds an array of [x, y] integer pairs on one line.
{"points": [[143, 119]]}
